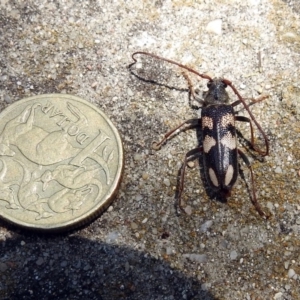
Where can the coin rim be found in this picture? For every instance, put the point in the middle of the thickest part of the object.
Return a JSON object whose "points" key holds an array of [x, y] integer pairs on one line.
{"points": [[113, 188]]}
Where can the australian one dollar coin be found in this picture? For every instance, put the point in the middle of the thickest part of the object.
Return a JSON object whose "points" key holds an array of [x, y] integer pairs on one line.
{"points": [[61, 162]]}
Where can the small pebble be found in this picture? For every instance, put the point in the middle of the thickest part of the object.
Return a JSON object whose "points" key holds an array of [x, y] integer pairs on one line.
{"points": [[7, 99], [3, 267], [215, 27], [278, 170], [154, 230], [127, 266], [130, 92], [278, 296], [291, 273], [191, 164], [205, 226], [138, 197], [166, 182], [200, 258], [133, 225], [64, 263], [258, 88], [270, 206], [233, 255], [188, 210], [287, 253], [155, 146], [145, 176], [290, 37], [40, 261], [169, 251], [138, 157], [205, 286], [138, 65], [286, 264], [224, 244], [112, 237]]}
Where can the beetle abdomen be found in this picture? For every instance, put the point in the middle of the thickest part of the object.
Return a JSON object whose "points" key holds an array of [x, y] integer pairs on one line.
{"points": [[219, 147]]}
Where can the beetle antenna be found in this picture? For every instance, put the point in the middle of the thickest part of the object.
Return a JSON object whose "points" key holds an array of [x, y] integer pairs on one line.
{"points": [[226, 81]]}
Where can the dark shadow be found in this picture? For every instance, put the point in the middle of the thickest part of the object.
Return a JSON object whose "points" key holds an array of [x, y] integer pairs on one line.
{"points": [[71, 267], [154, 73]]}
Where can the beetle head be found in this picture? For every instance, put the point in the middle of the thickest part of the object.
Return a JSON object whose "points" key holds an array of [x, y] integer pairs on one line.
{"points": [[216, 93]]}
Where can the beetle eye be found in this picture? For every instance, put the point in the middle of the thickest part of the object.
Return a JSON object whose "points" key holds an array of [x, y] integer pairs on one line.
{"points": [[224, 84], [209, 84]]}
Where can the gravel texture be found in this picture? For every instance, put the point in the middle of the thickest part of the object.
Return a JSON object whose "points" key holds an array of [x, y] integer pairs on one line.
{"points": [[140, 248]]}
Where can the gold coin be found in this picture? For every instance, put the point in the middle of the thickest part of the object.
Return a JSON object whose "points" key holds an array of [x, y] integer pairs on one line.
{"points": [[61, 162]]}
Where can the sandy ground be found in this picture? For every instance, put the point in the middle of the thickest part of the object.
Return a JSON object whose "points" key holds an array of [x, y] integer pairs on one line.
{"points": [[141, 248]]}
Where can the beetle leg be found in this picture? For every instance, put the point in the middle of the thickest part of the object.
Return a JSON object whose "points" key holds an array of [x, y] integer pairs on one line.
{"points": [[242, 100], [245, 119], [193, 123], [188, 155], [190, 84], [259, 99], [192, 92], [253, 198]]}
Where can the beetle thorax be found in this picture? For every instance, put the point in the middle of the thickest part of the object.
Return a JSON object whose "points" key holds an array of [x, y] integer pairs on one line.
{"points": [[216, 93]]}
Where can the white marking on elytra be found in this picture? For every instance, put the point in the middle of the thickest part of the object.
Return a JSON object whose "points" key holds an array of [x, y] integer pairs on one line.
{"points": [[213, 177], [208, 143], [207, 122], [229, 141], [229, 174], [226, 120]]}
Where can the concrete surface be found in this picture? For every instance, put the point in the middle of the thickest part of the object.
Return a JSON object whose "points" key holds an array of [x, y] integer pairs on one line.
{"points": [[141, 248]]}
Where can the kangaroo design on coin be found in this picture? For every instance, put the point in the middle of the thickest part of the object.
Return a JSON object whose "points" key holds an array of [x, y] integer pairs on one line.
{"points": [[61, 161]]}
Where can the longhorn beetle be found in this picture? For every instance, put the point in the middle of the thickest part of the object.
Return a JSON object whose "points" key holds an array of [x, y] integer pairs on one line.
{"points": [[219, 141]]}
